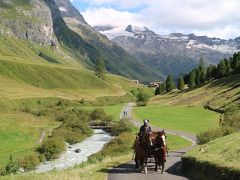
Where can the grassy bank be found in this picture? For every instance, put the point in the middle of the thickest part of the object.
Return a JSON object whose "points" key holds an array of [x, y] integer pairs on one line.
{"points": [[20, 134], [218, 159], [189, 119]]}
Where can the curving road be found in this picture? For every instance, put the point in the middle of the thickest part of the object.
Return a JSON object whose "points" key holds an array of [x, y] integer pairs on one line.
{"points": [[173, 165]]}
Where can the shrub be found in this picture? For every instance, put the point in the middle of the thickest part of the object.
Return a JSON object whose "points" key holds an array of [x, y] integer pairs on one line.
{"points": [[120, 145], [212, 134], [29, 162], [52, 147], [122, 126], [98, 114], [70, 135], [109, 118], [11, 168], [232, 117], [142, 98]]}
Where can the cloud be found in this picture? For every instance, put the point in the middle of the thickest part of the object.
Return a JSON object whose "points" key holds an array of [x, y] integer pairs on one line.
{"points": [[219, 18], [107, 16]]}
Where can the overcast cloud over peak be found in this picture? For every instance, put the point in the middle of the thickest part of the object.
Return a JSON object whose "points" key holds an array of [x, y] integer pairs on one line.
{"points": [[219, 18]]}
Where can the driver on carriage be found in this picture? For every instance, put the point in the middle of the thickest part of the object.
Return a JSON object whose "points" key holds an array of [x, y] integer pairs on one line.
{"points": [[145, 127]]}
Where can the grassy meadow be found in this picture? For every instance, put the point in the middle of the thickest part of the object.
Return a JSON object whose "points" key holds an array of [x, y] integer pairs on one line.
{"points": [[189, 119], [217, 93], [20, 133]]}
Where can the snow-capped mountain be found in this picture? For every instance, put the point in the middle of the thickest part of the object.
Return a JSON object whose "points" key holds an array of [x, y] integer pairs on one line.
{"points": [[174, 53]]}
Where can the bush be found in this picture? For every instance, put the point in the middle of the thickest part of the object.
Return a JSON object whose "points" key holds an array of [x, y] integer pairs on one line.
{"points": [[52, 147], [142, 98], [29, 162], [232, 117], [122, 126], [11, 168], [98, 114], [70, 135], [213, 134], [120, 145]]}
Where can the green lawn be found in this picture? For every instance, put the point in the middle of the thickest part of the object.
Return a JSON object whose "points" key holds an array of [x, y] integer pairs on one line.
{"points": [[113, 110], [189, 119], [20, 133], [176, 142]]}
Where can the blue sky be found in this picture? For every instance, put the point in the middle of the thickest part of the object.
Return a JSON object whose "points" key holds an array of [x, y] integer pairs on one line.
{"points": [[215, 18], [83, 5]]}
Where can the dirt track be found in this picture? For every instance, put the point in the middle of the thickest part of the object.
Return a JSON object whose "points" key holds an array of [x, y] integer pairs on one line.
{"points": [[173, 166]]}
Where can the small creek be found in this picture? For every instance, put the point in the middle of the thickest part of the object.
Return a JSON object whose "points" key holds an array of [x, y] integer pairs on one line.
{"points": [[70, 158]]}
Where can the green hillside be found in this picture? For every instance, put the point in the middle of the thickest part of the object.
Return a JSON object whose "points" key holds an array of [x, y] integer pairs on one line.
{"points": [[218, 159], [58, 44], [217, 93]]}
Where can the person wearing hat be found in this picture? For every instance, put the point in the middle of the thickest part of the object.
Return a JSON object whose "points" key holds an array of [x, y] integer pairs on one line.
{"points": [[145, 127]]}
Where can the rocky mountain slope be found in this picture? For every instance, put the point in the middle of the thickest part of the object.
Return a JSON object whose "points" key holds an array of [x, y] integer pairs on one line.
{"points": [[56, 23], [175, 53], [118, 61]]}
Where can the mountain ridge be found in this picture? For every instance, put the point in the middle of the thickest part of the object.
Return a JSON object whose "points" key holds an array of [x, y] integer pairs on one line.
{"points": [[47, 24], [175, 53]]}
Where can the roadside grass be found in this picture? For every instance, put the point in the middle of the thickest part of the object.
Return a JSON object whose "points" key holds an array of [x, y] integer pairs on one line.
{"points": [[87, 171], [217, 93], [177, 142], [189, 119], [218, 159], [20, 133]]}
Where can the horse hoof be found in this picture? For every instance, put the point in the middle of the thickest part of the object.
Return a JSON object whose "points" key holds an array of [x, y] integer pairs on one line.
{"points": [[162, 172]]}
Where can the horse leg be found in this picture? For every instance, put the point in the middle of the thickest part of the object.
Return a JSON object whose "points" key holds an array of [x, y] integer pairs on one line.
{"points": [[136, 163], [163, 165], [145, 166], [156, 163]]}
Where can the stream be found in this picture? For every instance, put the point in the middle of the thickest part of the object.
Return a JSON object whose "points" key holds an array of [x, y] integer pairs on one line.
{"points": [[70, 157]]}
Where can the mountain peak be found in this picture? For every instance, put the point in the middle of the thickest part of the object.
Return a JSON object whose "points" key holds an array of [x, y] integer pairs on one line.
{"points": [[129, 28], [68, 10]]}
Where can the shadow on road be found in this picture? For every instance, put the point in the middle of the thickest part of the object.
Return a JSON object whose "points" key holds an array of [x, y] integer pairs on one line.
{"points": [[122, 169]]}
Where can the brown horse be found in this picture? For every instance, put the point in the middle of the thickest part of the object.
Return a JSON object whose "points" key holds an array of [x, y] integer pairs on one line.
{"points": [[141, 146], [159, 149]]}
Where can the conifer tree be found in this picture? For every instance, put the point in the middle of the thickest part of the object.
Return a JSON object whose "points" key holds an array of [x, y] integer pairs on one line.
{"points": [[221, 69], [162, 88], [100, 67], [202, 69], [170, 84], [211, 72], [192, 79], [228, 65], [181, 83], [157, 91], [198, 77]]}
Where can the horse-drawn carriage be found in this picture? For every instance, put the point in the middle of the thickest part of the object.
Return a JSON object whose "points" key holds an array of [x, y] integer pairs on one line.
{"points": [[150, 147]]}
